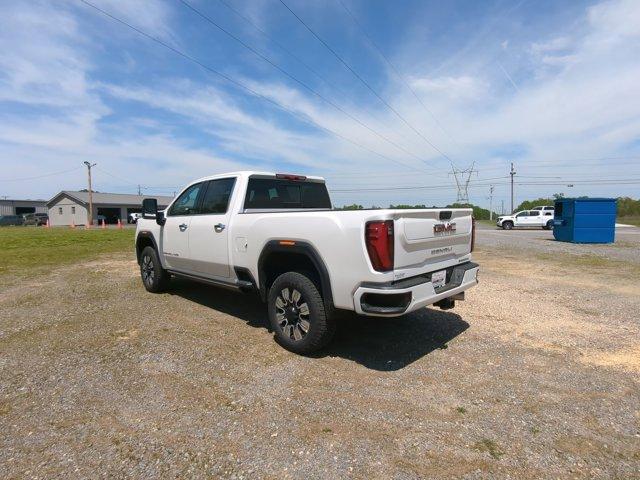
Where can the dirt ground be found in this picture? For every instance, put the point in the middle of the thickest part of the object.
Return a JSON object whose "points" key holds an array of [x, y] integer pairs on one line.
{"points": [[535, 375]]}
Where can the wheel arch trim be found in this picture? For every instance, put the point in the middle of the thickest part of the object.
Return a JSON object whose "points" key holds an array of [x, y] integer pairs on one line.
{"points": [[299, 248], [146, 236]]}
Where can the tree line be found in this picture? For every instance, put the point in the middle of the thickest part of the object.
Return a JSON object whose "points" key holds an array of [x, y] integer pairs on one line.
{"points": [[627, 207]]}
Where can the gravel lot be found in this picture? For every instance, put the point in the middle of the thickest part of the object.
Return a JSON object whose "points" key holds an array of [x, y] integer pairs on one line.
{"points": [[626, 247], [536, 375]]}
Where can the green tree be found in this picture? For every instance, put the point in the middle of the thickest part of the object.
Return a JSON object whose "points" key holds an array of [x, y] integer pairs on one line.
{"points": [[628, 207], [353, 206], [403, 206], [529, 204], [479, 213]]}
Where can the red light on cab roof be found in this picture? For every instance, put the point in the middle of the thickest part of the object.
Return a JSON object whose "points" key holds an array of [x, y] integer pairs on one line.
{"points": [[290, 176]]}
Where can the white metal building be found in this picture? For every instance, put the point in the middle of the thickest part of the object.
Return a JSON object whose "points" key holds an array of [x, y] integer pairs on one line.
{"points": [[20, 207], [72, 206]]}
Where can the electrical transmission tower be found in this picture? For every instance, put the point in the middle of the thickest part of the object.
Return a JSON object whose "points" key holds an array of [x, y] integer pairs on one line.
{"points": [[463, 177]]}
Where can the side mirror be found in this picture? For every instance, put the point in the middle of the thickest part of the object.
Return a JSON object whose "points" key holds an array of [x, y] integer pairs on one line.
{"points": [[150, 210]]}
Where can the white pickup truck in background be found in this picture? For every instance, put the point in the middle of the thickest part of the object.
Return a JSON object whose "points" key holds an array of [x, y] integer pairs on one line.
{"points": [[538, 217], [277, 235]]}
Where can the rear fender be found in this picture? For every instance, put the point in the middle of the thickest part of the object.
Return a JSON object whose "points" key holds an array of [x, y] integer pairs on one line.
{"points": [[298, 248]]}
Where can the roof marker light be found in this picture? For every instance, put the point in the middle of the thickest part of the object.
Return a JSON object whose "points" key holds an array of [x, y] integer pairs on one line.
{"points": [[289, 176]]}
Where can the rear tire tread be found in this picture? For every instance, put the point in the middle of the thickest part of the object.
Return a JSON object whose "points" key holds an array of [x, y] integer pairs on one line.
{"points": [[322, 322]]}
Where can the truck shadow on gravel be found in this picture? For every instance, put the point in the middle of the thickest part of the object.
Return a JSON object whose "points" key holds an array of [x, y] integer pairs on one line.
{"points": [[388, 344], [383, 344]]}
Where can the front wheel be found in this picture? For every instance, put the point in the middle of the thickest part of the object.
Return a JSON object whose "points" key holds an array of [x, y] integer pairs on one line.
{"points": [[297, 314], [507, 225], [154, 278], [549, 225]]}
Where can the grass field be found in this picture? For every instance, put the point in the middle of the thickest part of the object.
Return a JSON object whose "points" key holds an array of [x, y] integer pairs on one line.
{"points": [[25, 250], [633, 220]]}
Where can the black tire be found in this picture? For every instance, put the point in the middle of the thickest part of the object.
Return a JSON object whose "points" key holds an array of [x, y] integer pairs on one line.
{"points": [[549, 225], [287, 317], [154, 278], [507, 225]]}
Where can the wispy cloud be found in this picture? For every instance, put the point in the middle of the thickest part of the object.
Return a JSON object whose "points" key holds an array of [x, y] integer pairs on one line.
{"points": [[74, 85]]}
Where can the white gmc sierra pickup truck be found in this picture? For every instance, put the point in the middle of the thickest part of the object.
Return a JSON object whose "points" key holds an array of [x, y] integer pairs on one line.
{"points": [[277, 235]]}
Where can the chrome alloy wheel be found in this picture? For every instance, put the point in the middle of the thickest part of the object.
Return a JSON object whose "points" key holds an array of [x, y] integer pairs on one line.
{"points": [[292, 314], [148, 272]]}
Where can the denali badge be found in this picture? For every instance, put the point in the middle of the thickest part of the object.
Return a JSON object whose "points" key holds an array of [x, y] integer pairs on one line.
{"points": [[447, 227]]}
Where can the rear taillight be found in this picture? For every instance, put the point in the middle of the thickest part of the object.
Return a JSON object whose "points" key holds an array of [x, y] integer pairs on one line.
{"points": [[473, 233], [379, 240]]}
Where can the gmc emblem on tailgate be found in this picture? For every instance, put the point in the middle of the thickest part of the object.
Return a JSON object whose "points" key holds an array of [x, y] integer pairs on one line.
{"points": [[447, 227]]}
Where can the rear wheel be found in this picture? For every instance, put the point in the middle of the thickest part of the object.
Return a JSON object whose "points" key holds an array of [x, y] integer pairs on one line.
{"points": [[507, 225], [154, 278], [297, 314], [549, 225]]}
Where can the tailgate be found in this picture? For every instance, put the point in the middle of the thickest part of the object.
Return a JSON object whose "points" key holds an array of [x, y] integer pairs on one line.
{"points": [[424, 239]]}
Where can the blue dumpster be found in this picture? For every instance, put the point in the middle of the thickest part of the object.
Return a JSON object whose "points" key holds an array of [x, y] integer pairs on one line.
{"points": [[585, 220]]}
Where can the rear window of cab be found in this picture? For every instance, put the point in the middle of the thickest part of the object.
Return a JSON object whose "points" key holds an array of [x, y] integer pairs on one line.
{"points": [[274, 193]]}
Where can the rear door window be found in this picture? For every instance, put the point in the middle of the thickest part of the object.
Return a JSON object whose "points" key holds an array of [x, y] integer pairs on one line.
{"points": [[216, 198], [274, 193]]}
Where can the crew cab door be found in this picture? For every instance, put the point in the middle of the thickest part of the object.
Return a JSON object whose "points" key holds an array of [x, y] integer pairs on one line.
{"points": [[174, 241], [535, 218], [522, 219], [209, 230]]}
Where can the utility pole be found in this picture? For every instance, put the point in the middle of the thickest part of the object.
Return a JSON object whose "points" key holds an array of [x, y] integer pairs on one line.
{"points": [[502, 207], [90, 216], [512, 173], [491, 202], [139, 190]]}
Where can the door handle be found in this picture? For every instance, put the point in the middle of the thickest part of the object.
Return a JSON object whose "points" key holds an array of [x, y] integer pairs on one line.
{"points": [[219, 227], [182, 227]]}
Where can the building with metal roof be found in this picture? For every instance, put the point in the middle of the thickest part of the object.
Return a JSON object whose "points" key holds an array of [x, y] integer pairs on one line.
{"points": [[69, 206], [10, 206]]}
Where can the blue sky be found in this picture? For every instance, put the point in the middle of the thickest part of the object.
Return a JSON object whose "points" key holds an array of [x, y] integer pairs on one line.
{"points": [[552, 86]]}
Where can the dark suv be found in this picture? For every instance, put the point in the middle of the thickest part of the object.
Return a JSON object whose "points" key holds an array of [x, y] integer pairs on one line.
{"points": [[36, 219]]}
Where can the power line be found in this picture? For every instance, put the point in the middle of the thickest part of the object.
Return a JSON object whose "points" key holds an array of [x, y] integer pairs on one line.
{"points": [[242, 85], [297, 80], [447, 176], [635, 181], [281, 46], [40, 176], [395, 70], [583, 162], [490, 169], [366, 84], [116, 177]]}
